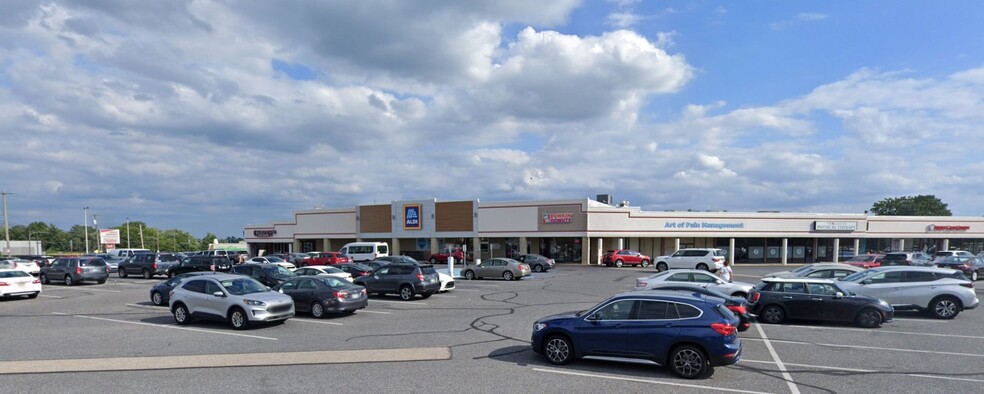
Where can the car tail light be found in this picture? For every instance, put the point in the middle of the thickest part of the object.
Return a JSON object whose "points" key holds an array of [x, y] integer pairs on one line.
{"points": [[107, 269], [4, 284], [170, 294], [153, 266], [969, 285], [78, 270], [725, 329], [640, 283], [756, 296], [340, 295], [717, 259], [37, 281], [739, 309], [420, 277], [212, 267]]}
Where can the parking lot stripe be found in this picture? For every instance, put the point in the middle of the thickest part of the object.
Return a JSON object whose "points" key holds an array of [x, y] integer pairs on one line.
{"points": [[475, 284], [330, 323], [379, 312], [399, 302], [775, 356], [165, 326], [224, 360], [49, 296], [82, 288], [457, 289], [162, 308], [444, 296], [869, 347], [627, 379], [868, 371], [882, 331]]}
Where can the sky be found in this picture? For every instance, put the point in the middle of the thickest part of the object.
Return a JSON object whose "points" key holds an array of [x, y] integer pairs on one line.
{"points": [[206, 116]]}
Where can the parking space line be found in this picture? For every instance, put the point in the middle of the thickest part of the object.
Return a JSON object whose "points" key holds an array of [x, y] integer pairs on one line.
{"points": [[82, 288], [444, 296], [889, 349], [379, 312], [477, 284], [330, 323], [867, 371], [399, 302], [775, 356], [457, 289], [162, 308], [637, 380], [166, 326], [882, 331], [48, 296]]}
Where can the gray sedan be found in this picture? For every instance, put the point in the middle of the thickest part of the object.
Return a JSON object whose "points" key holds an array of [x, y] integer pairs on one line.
{"points": [[819, 271], [507, 269], [699, 277]]}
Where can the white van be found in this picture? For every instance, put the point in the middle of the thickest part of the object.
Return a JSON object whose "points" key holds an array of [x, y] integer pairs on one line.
{"points": [[124, 253], [365, 251]]}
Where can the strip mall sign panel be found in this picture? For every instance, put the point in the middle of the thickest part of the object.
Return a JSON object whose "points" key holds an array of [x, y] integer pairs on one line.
{"points": [[835, 226], [937, 228], [111, 237], [264, 233], [558, 218], [411, 217]]}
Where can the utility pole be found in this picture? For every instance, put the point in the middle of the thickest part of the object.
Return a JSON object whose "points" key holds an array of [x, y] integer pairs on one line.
{"points": [[141, 237], [128, 232], [95, 225], [85, 222], [6, 226]]}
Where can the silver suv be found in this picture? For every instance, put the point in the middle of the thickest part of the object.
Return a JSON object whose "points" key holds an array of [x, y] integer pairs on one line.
{"points": [[238, 299], [707, 259], [941, 292]]}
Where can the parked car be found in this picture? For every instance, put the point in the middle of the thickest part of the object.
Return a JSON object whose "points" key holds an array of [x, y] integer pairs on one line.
{"points": [[323, 270], [233, 298], [907, 258], [267, 274], [699, 277], [324, 258], [972, 267], [199, 263], [694, 334], [272, 260], [375, 264], [394, 259], [707, 259], [447, 282], [16, 283], [365, 251], [355, 269], [737, 305], [113, 262], [507, 269], [76, 270], [622, 257], [818, 271], [321, 294], [442, 257], [538, 263], [160, 292], [407, 280], [777, 299], [147, 265], [29, 267], [866, 260], [941, 292], [948, 253]]}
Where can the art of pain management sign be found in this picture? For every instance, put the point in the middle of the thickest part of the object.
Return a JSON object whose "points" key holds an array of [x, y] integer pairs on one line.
{"points": [[411, 217]]}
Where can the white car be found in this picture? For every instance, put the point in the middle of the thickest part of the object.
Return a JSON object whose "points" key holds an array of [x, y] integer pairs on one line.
{"points": [[15, 282], [707, 259], [313, 270], [27, 266], [941, 292], [697, 277], [273, 260], [447, 282]]}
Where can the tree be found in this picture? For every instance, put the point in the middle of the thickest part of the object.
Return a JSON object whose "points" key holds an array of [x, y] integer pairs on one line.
{"points": [[927, 205]]}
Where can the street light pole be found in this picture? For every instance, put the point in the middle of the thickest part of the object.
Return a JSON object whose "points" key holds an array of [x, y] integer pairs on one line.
{"points": [[128, 232], [85, 223], [6, 226], [95, 226]]}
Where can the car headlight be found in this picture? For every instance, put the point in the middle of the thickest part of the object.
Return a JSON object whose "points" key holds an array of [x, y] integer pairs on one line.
{"points": [[539, 326], [254, 302]]}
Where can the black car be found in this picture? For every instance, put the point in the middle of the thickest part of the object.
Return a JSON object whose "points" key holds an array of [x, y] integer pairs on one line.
{"points": [[972, 267], [737, 305], [200, 263], [147, 265], [323, 293], [776, 299], [406, 280], [356, 269], [160, 293], [269, 274]]}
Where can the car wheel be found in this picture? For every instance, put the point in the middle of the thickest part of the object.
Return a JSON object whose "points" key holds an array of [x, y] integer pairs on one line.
{"points": [[559, 350], [146, 273], [618, 263], [538, 268], [406, 293], [661, 267], [944, 308], [469, 275], [238, 319], [181, 315], [44, 279], [702, 267], [689, 362], [157, 298], [121, 272], [433, 260], [508, 275], [317, 310], [69, 281], [645, 263], [773, 314], [868, 318]]}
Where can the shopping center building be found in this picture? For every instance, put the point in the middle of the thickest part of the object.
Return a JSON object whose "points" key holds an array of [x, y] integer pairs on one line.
{"points": [[580, 231]]}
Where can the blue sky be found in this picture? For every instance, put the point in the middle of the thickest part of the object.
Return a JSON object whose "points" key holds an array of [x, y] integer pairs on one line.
{"points": [[207, 115]]}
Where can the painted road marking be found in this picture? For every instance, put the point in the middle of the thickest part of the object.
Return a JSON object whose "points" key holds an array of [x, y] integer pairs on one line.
{"points": [[443, 296], [399, 302], [165, 326], [870, 348], [379, 312], [49, 296], [459, 289], [82, 289], [622, 378], [331, 323], [868, 371], [224, 360], [775, 356], [475, 284], [882, 331], [162, 308]]}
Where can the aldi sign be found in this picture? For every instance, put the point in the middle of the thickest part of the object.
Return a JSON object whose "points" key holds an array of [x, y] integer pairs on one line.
{"points": [[411, 217]]}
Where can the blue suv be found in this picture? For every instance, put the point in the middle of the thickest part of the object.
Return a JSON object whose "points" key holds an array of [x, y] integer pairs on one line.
{"points": [[691, 334]]}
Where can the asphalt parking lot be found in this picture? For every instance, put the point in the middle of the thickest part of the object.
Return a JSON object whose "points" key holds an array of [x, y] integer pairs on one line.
{"points": [[109, 338]]}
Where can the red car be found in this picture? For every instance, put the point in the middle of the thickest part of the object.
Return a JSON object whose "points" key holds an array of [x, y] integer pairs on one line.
{"points": [[622, 257], [866, 260], [326, 258], [458, 255]]}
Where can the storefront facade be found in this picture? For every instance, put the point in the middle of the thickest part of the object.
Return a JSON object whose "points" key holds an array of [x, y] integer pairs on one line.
{"points": [[580, 231]]}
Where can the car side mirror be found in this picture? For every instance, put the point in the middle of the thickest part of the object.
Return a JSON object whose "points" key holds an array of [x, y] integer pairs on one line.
{"points": [[593, 317], [838, 295], [219, 294], [866, 282]]}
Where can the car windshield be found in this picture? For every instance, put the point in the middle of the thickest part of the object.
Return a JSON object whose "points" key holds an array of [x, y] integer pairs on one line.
{"points": [[13, 274], [277, 271], [241, 286], [857, 276]]}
